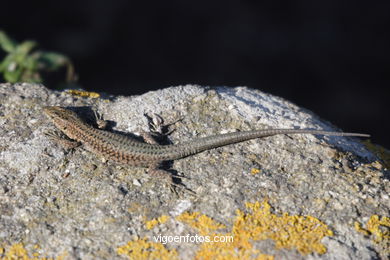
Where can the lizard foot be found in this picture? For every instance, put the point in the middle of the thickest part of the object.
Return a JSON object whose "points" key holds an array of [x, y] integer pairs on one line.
{"points": [[100, 122], [66, 143], [169, 179], [157, 125]]}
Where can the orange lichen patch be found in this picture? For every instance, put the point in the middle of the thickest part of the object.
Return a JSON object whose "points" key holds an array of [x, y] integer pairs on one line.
{"points": [[255, 171], [373, 228], [240, 248], [152, 223], [378, 230], [144, 249], [301, 232], [203, 223], [82, 93], [373, 225], [359, 228], [17, 251]]}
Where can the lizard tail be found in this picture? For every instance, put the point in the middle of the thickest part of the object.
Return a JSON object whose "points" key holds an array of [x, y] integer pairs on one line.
{"points": [[210, 142]]}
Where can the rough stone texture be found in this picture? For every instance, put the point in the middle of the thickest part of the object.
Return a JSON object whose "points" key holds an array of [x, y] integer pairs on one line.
{"points": [[75, 204]]}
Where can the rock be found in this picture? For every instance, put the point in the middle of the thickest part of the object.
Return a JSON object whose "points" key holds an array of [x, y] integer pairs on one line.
{"points": [[291, 197]]}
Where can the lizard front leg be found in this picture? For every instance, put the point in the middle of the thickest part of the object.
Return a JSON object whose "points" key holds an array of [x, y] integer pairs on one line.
{"points": [[158, 126], [100, 122], [63, 141]]}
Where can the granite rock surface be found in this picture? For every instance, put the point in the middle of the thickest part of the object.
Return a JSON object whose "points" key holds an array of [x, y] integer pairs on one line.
{"points": [[286, 196]]}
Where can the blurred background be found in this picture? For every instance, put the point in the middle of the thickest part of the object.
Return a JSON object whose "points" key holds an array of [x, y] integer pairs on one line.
{"points": [[330, 57]]}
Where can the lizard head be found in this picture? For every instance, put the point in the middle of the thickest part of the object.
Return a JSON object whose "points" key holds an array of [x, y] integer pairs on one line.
{"points": [[61, 117]]}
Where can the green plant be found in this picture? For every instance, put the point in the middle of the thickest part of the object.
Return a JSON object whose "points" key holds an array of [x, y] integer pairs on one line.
{"points": [[24, 64]]}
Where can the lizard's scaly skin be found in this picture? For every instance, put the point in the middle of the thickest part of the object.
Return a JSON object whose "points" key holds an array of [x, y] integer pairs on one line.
{"points": [[133, 152]]}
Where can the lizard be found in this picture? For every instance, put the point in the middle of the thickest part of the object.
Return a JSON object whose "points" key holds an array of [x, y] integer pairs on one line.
{"points": [[130, 151]]}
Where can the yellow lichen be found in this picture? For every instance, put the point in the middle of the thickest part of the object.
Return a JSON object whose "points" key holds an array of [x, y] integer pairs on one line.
{"points": [[82, 93], [359, 228], [17, 251], [152, 223], [203, 223], [240, 248], [373, 225], [378, 230], [255, 171], [144, 249], [373, 228], [304, 233]]}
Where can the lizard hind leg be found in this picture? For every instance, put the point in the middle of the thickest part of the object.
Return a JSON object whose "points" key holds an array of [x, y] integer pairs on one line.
{"points": [[168, 178]]}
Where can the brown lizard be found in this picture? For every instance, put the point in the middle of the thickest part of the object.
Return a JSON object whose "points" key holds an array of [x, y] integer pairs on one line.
{"points": [[133, 152]]}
